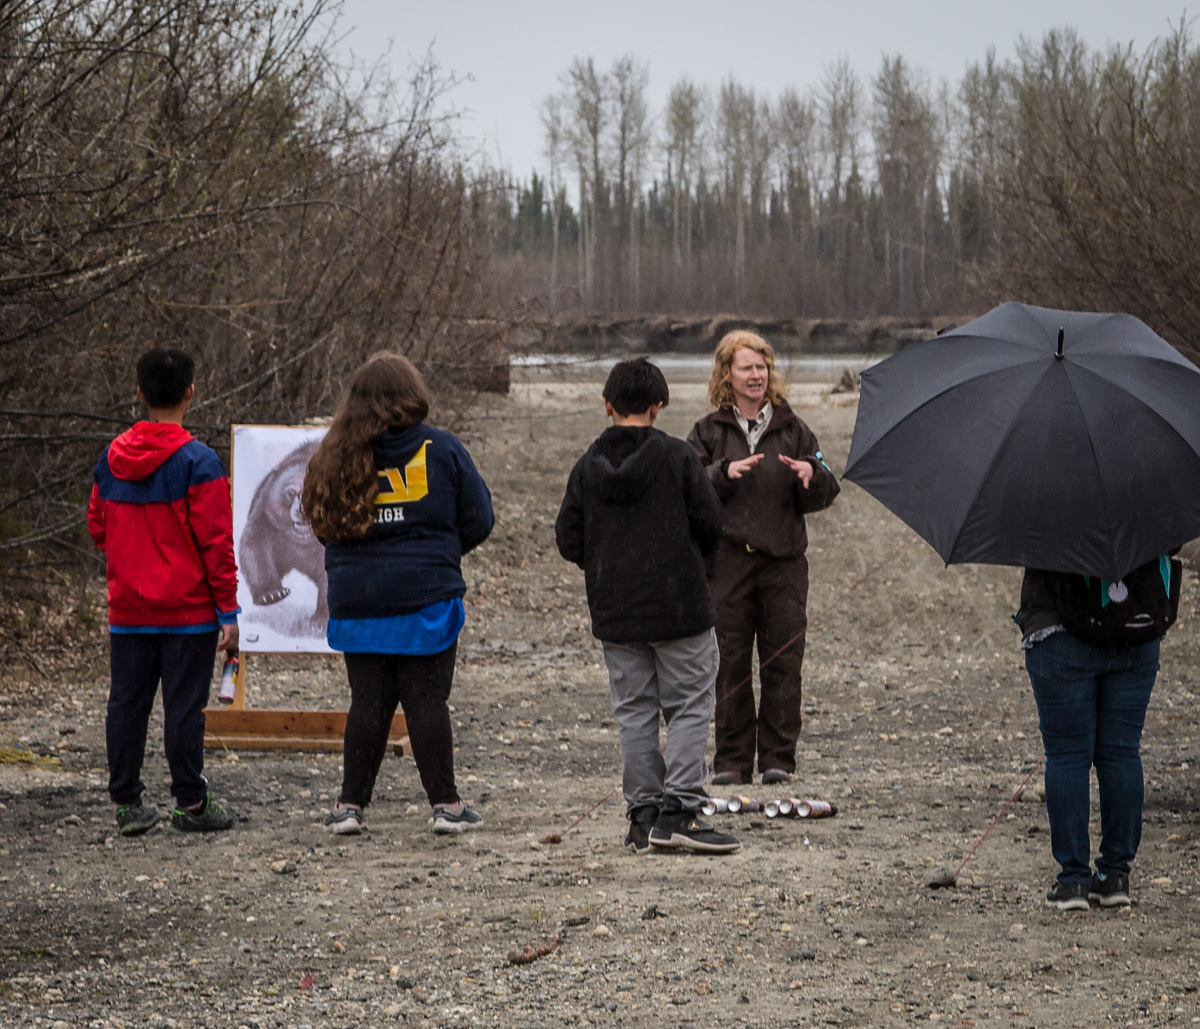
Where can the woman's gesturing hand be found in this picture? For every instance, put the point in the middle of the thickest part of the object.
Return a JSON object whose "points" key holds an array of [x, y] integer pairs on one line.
{"points": [[803, 469], [736, 469]]}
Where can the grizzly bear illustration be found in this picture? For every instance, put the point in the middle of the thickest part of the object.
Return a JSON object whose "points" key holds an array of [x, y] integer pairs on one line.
{"points": [[278, 540]]}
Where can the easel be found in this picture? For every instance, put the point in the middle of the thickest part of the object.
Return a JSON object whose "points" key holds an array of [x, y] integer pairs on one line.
{"points": [[237, 727]]}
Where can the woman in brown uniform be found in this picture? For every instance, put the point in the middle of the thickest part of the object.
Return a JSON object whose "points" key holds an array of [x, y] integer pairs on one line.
{"points": [[767, 468]]}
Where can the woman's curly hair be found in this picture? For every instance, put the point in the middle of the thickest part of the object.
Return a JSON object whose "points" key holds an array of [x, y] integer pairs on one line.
{"points": [[342, 482], [720, 389]]}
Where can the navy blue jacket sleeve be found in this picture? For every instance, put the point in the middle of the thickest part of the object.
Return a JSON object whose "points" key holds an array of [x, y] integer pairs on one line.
{"points": [[475, 515], [706, 516], [568, 528]]}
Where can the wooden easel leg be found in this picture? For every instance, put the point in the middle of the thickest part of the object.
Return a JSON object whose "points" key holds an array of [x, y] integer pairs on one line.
{"points": [[239, 685], [236, 727]]}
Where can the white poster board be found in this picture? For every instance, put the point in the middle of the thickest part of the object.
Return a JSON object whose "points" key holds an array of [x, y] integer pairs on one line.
{"points": [[281, 564]]}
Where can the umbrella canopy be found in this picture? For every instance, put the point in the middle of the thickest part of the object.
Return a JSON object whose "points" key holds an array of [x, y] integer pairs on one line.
{"points": [[1048, 439]]}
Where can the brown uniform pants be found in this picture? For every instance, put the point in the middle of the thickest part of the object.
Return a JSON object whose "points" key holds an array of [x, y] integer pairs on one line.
{"points": [[761, 597]]}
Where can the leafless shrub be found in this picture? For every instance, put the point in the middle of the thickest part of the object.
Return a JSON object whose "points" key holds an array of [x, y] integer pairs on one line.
{"points": [[196, 173], [1092, 168]]}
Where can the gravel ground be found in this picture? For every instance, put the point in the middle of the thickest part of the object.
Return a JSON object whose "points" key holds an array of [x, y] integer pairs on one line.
{"points": [[919, 724]]}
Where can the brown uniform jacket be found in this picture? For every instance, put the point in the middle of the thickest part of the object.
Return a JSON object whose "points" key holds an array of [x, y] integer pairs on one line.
{"points": [[765, 508]]}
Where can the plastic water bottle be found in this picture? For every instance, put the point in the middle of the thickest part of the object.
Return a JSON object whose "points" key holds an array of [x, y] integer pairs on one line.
{"points": [[228, 675]]}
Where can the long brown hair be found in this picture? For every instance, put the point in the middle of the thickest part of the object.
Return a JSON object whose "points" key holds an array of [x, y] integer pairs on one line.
{"points": [[720, 389], [342, 482]]}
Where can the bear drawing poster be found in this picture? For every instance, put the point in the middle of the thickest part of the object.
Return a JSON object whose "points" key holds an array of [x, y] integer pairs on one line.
{"points": [[281, 564]]}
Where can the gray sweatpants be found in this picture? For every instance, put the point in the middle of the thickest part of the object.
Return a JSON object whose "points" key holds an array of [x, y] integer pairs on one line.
{"points": [[675, 677]]}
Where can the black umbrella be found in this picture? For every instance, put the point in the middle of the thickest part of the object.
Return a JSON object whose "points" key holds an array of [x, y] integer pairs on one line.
{"points": [[1049, 439]]}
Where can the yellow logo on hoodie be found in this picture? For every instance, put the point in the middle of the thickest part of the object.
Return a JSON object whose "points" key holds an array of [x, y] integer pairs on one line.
{"points": [[412, 485]]}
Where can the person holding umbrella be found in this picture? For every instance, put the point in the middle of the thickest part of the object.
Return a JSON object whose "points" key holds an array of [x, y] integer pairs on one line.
{"points": [[1066, 443], [1091, 651], [767, 468]]}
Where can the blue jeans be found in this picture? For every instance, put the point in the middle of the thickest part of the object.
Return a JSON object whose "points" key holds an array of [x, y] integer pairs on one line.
{"points": [[1091, 708]]}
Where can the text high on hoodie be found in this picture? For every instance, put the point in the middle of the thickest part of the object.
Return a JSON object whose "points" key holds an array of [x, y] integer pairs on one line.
{"points": [[433, 506]]}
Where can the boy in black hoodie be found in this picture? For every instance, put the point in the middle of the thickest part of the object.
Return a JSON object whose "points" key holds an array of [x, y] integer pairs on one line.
{"points": [[639, 517]]}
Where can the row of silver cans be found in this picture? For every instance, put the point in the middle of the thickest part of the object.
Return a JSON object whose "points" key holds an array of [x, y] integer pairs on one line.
{"points": [[730, 805], [789, 807], [795, 807]]}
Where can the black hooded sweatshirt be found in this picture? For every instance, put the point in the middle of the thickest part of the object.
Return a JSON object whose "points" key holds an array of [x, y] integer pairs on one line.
{"points": [[639, 517]]}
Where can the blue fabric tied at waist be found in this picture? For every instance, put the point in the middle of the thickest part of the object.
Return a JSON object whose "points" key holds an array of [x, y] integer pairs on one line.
{"points": [[428, 631]]}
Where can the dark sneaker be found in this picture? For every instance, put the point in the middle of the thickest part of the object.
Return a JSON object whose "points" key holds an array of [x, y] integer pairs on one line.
{"points": [[641, 821], [772, 776], [732, 779], [1110, 891], [210, 818], [1068, 897], [447, 820], [136, 819], [344, 821], [682, 829]]}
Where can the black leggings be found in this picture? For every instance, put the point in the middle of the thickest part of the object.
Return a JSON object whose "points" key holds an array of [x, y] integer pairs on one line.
{"points": [[421, 686]]}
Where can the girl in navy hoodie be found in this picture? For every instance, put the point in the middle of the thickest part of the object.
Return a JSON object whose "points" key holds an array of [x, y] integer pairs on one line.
{"points": [[396, 504]]}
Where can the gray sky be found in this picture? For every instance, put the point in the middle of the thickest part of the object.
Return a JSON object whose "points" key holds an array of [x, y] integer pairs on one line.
{"points": [[516, 49]]}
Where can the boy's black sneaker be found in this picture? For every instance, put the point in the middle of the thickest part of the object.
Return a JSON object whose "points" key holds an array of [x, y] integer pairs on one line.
{"points": [[775, 776], [1110, 891], [135, 819], [682, 829], [641, 821], [1068, 897], [210, 818]]}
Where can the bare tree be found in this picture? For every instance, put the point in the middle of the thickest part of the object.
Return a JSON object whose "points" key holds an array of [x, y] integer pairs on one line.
{"points": [[589, 92], [796, 132], [631, 139], [840, 104], [684, 120], [735, 121], [552, 113], [193, 173], [1097, 202], [907, 151]]}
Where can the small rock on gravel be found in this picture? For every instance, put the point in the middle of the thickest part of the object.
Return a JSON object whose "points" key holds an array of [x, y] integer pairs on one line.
{"points": [[940, 878]]}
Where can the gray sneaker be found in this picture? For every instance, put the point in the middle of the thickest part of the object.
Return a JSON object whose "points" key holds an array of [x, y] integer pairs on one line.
{"points": [[135, 819], [446, 820], [210, 818], [345, 821]]}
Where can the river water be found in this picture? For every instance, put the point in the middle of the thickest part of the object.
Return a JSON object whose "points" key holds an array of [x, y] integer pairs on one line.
{"points": [[680, 367]]}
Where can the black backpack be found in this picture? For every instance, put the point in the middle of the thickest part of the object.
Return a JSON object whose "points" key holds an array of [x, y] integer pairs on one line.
{"points": [[1134, 610]]}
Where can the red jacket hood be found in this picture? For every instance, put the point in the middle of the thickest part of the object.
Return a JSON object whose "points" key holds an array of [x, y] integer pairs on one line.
{"points": [[138, 452]]}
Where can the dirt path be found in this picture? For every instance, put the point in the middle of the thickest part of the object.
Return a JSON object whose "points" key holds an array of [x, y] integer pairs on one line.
{"points": [[918, 724]]}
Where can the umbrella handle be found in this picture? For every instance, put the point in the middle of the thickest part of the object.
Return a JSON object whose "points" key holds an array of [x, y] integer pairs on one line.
{"points": [[1058, 353]]}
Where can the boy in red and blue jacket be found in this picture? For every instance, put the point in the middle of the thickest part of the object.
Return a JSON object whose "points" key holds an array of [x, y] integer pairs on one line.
{"points": [[161, 512]]}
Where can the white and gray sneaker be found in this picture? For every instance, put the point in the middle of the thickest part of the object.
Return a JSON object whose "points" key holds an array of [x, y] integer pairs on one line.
{"points": [[345, 821], [448, 820]]}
